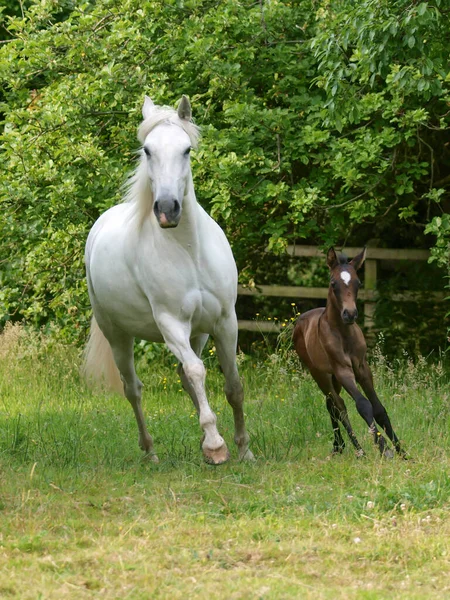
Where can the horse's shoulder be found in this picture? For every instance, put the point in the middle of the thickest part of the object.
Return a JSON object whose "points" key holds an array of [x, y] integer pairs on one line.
{"points": [[311, 316]]}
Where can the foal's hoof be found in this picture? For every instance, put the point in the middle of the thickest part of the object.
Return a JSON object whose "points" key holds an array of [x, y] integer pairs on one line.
{"points": [[337, 450], [247, 456], [152, 457], [217, 456], [388, 453], [402, 454], [360, 453]]}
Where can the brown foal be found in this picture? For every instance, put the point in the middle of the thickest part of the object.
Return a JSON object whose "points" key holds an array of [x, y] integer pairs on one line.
{"points": [[332, 346]]}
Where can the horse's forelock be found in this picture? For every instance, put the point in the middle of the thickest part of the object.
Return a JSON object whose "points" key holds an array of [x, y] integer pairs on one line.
{"points": [[166, 114], [342, 258]]}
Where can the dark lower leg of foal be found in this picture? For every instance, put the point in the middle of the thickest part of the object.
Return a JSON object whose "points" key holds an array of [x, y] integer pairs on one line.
{"points": [[342, 414], [363, 406], [338, 442], [379, 412]]}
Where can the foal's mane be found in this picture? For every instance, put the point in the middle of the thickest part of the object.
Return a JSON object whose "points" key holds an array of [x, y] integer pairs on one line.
{"points": [[138, 188], [342, 258]]}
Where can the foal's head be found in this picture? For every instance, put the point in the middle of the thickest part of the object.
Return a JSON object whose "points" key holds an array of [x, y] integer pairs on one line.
{"points": [[167, 137], [344, 283]]}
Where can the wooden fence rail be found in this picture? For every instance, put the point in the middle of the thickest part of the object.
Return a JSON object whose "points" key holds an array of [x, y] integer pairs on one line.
{"points": [[368, 294]]}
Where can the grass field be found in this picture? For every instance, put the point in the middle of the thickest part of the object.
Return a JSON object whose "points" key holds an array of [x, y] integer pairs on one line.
{"points": [[84, 516]]}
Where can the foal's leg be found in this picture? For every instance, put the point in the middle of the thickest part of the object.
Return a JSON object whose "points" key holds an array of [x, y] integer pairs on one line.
{"points": [[225, 339], [365, 379], [122, 348], [345, 376], [337, 410], [344, 418], [338, 442], [176, 335]]}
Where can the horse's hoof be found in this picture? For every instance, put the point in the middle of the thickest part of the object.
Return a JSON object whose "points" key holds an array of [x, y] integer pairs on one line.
{"points": [[387, 453], [337, 450], [152, 457], [247, 456], [216, 457], [360, 453]]}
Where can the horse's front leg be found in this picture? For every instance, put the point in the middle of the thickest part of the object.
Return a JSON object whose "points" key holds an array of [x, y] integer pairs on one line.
{"points": [[346, 377], [197, 344], [365, 379], [225, 338], [176, 335], [338, 442], [341, 411], [337, 410]]}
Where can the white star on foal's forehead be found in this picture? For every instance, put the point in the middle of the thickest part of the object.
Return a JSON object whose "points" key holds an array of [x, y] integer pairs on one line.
{"points": [[345, 276]]}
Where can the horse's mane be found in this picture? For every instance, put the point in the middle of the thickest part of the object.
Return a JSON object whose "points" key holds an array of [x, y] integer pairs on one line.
{"points": [[138, 189], [161, 114]]}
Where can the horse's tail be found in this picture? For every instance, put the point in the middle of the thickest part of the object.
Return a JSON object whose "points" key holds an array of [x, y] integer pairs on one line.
{"points": [[99, 368]]}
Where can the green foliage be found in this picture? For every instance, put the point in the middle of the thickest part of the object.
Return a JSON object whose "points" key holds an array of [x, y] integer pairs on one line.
{"points": [[323, 122]]}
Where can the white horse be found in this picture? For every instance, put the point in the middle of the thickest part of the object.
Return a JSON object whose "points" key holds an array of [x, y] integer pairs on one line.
{"points": [[160, 269]]}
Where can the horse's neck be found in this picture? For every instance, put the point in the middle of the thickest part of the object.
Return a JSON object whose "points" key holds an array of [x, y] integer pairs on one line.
{"points": [[333, 316], [187, 231]]}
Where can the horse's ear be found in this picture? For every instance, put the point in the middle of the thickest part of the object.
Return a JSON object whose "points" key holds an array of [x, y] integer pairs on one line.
{"points": [[147, 107], [332, 259], [184, 109], [357, 262]]}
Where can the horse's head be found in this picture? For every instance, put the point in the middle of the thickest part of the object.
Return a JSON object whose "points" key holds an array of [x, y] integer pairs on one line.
{"points": [[166, 147], [344, 283]]}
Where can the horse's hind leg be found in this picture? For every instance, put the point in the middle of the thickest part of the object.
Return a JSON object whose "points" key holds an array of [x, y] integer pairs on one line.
{"points": [[365, 379], [122, 348], [225, 339]]}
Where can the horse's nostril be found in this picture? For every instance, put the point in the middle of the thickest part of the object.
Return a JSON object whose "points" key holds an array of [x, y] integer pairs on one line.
{"points": [[156, 207], [176, 207]]}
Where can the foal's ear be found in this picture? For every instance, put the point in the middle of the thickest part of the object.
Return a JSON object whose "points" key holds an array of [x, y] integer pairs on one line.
{"points": [[359, 259], [147, 107], [184, 109], [332, 259]]}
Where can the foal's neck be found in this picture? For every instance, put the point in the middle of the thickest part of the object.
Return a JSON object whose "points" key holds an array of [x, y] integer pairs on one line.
{"points": [[333, 315]]}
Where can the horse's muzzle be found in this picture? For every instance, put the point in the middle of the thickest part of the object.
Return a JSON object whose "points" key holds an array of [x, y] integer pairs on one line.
{"points": [[168, 213], [349, 317]]}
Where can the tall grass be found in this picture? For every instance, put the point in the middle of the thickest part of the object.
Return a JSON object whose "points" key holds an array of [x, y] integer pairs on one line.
{"points": [[82, 511]]}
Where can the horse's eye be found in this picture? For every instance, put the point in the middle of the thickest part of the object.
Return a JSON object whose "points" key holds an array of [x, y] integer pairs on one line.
{"points": [[333, 283], [187, 152], [147, 152]]}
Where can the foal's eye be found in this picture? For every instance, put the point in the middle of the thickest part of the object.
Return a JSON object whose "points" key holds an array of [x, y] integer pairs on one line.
{"points": [[333, 283], [147, 152], [187, 152]]}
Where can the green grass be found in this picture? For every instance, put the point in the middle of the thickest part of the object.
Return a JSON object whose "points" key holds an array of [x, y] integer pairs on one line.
{"points": [[83, 515]]}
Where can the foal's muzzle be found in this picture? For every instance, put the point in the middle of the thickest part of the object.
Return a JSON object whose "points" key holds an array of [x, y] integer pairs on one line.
{"points": [[349, 316], [168, 212]]}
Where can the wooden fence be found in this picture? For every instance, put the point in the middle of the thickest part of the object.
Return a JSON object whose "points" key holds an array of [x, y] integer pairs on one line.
{"points": [[367, 294]]}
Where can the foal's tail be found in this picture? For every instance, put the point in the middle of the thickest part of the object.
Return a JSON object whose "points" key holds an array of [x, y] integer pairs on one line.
{"points": [[99, 368]]}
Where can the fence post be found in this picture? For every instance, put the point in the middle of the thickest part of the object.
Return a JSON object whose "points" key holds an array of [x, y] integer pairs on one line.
{"points": [[370, 283]]}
